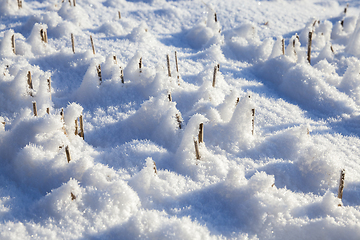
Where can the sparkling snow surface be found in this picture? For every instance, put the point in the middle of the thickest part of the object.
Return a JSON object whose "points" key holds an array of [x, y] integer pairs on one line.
{"points": [[136, 175]]}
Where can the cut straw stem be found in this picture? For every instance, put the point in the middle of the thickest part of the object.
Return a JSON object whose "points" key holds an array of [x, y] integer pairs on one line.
{"points": [[201, 133], [168, 65], [215, 16], [35, 109], [67, 151], [19, 2], [13, 43], [341, 183], [346, 8], [253, 121], [119, 14], [30, 85], [309, 48], [98, 69], [49, 86], [29, 80], [81, 127], [214, 77], [283, 46], [43, 35], [178, 118], [74, 3], [72, 43], [76, 127], [177, 66], [122, 75], [155, 170], [92, 44], [63, 120], [140, 64]]}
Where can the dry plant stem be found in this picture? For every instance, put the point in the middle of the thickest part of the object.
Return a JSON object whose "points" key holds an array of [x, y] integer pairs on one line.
{"points": [[168, 64], [341, 184], [201, 133], [62, 115], [6, 69], [294, 41], [81, 127], [253, 121], [67, 151], [197, 150], [13, 43], [92, 44], [115, 59], [70, 2], [345, 10], [49, 85], [214, 77], [43, 35], [177, 66], [76, 127], [178, 118], [309, 48], [215, 16], [29, 80], [98, 69], [283, 46], [155, 170], [119, 14], [169, 96], [35, 109], [122, 75], [332, 49], [74, 3], [73, 43], [315, 23], [48, 110], [140, 64], [72, 195], [63, 120], [19, 3]]}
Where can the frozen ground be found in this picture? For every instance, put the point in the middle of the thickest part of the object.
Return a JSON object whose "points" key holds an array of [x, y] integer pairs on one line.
{"points": [[279, 181]]}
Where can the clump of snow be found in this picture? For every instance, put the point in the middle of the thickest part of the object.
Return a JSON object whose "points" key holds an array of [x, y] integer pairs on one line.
{"points": [[206, 32]]}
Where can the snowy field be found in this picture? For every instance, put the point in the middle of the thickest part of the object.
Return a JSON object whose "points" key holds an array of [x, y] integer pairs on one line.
{"points": [[243, 137]]}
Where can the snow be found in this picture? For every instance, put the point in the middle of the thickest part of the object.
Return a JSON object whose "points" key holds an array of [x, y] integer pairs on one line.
{"points": [[278, 130]]}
